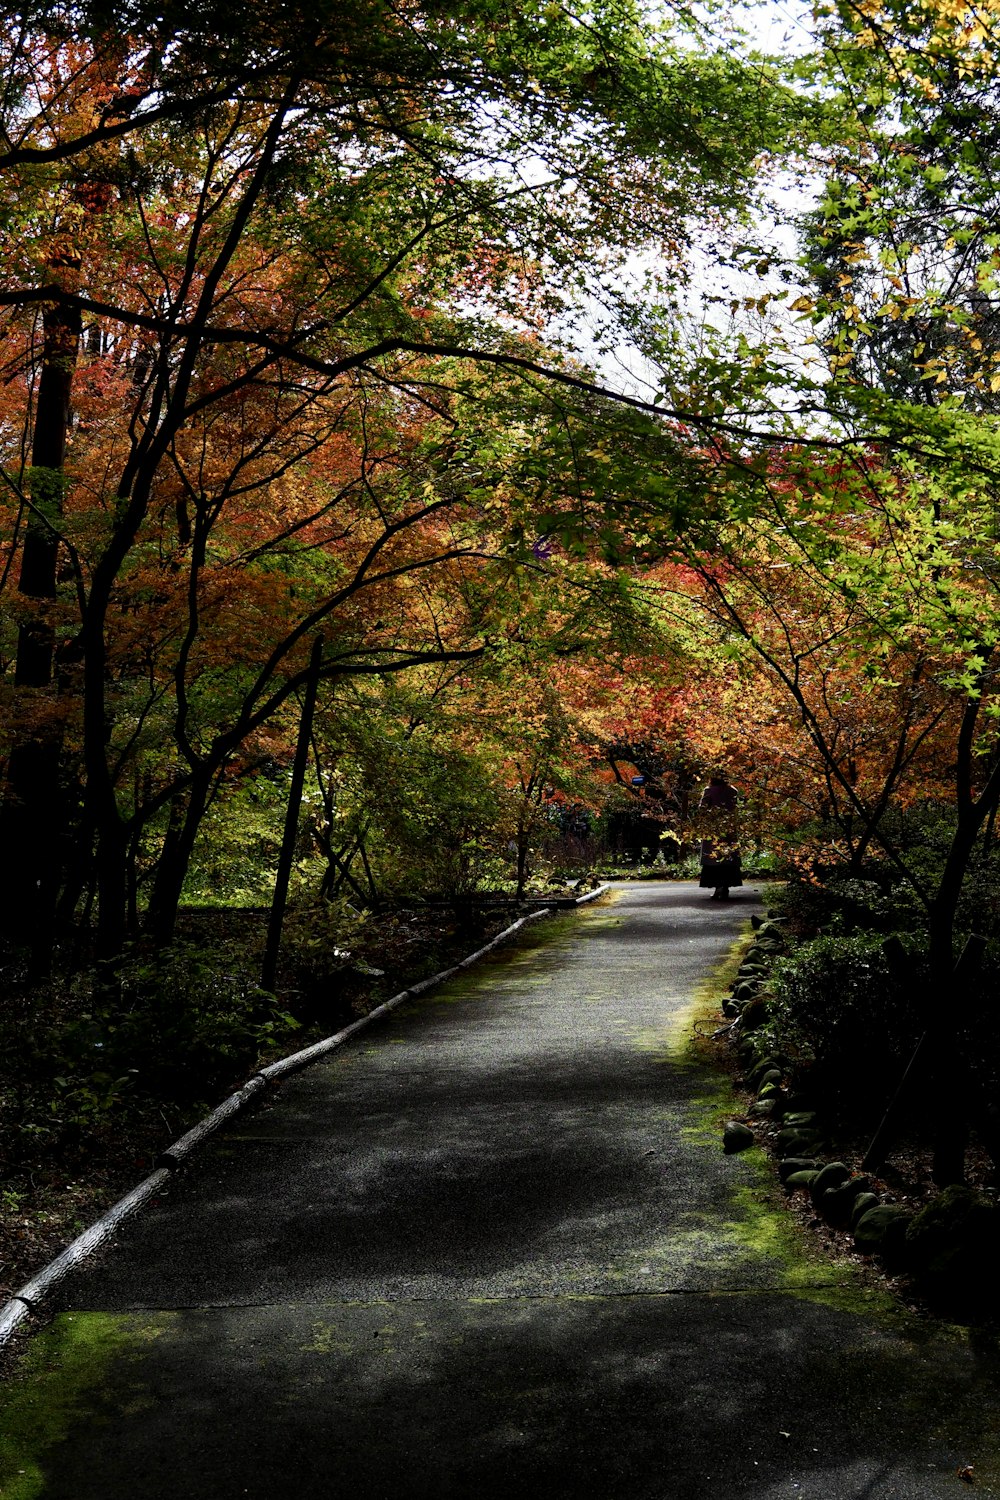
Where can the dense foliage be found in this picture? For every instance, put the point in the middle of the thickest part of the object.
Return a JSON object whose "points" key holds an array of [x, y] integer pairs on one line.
{"points": [[314, 432]]}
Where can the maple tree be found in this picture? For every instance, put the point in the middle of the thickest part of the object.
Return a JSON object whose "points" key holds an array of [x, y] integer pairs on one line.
{"points": [[257, 254], [306, 319], [863, 581], [256, 290], [904, 250]]}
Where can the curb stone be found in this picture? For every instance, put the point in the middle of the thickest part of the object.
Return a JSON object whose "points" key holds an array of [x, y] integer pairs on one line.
{"points": [[26, 1299]]}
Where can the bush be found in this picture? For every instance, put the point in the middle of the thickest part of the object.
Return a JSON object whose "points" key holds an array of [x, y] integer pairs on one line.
{"points": [[190, 1021], [839, 1015], [435, 821], [835, 1005], [876, 897], [842, 904], [177, 1027]]}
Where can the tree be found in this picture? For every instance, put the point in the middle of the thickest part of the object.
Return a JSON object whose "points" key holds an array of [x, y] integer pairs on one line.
{"points": [[295, 217]]}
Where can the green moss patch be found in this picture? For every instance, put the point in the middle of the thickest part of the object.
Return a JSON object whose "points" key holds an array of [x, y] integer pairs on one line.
{"points": [[57, 1386], [759, 1227]]}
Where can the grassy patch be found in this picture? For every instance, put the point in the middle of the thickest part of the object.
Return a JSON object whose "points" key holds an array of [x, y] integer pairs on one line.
{"points": [[59, 1381], [760, 1226]]}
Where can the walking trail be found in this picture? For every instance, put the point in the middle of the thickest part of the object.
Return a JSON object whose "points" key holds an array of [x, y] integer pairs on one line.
{"points": [[494, 1250]]}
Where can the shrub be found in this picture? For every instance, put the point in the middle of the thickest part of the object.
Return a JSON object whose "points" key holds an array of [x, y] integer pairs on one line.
{"points": [[844, 1020], [176, 1028], [434, 816], [189, 1021]]}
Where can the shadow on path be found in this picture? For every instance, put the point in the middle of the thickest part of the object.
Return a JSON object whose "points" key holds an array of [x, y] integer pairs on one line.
{"points": [[493, 1253]]}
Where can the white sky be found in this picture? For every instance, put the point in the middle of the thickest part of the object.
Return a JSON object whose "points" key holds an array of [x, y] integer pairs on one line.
{"points": [[777, 27]]}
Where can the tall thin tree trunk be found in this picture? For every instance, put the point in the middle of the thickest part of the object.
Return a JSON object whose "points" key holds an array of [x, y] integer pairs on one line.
{"points": [[948, 1001], [178, 846], [33, 814], [112, 890], [132, 885], [269, 968]]}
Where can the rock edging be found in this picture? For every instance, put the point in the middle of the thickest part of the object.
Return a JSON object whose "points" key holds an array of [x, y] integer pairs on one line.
{"points": [[949, 1246]]}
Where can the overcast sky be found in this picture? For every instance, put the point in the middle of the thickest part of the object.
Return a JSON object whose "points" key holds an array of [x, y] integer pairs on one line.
{"points": [[780, 27]]}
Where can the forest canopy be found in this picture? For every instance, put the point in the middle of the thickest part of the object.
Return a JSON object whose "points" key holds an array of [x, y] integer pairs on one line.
{"points": [[287, 308], [559, 402]]}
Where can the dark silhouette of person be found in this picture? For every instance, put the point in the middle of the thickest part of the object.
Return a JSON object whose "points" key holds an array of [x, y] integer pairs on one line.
{"points": [[720, 853]]}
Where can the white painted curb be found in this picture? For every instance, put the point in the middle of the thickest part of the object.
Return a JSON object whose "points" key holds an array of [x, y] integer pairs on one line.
{"points": [[26, 1300]]}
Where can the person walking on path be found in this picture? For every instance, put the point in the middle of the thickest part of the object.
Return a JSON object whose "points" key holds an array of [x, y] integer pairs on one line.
{"points": [[720, 854]]}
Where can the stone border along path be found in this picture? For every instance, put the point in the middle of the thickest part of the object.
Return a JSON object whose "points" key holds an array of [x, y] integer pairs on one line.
{"points": [[29, 1298], [496, 1252]]}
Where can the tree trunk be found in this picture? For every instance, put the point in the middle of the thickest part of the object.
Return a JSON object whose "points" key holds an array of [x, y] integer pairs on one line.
{"points": [[523, 851], [33, 816], [164, 902], [269, 968], [112, 891], [946, 1001], [935, 1065]]}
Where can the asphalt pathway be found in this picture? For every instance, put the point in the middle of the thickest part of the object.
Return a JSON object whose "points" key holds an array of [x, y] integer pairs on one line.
{"points": [[494, 1250]]}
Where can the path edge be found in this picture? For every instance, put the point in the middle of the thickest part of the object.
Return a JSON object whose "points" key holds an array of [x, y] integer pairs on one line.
{"points": [[28, 1298]]}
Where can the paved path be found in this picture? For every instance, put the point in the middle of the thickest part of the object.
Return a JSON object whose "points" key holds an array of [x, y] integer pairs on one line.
{"points": [[494, 1250]]}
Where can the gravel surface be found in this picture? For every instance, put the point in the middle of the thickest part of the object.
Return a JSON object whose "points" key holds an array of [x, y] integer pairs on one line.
{"points": [[492, 1250]]}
